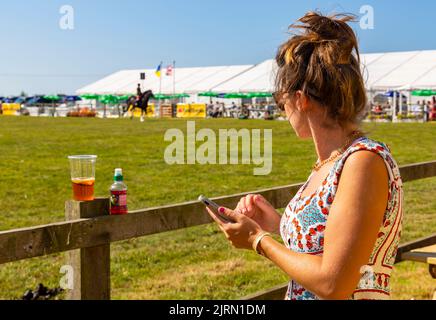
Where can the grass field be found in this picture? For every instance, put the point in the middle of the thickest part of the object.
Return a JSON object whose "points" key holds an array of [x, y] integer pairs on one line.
{"points": [[194, 263]]}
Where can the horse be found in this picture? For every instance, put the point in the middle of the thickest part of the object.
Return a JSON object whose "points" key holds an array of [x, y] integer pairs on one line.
{"points": [[142, 103]]}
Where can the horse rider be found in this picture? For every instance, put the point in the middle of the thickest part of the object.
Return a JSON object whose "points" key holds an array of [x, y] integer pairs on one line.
{"points": [[138, 95]]}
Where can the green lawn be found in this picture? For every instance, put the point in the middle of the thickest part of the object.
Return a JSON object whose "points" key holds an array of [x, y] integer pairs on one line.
{"points": [[194, 263]]}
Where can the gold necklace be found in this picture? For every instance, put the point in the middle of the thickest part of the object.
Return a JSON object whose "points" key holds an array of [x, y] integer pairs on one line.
{"points": [[351, 137]]}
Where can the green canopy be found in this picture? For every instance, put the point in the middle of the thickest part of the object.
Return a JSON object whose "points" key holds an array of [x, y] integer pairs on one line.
{"points": [[180, 95], [108, 99], [208, 94], [239, 95], [424, 93], [123, 97], [90, 96], [160, 96], [259, 95], [236, 96], [52, 97]]}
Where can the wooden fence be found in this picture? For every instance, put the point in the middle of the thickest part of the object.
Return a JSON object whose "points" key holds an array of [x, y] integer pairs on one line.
{"points": [[89, 230]]}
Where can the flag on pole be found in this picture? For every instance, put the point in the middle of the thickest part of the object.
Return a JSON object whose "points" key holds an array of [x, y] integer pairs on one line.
{"points": [[169, 71], [158, 70]]}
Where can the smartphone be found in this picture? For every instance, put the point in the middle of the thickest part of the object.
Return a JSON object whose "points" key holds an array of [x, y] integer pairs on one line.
{"points": [[214, 207]]}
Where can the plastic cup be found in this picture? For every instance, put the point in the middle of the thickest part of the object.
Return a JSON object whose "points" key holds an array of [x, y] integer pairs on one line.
{"points": [[83, 176]]}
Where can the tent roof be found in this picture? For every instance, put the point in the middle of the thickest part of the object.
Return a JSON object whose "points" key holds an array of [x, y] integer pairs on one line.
{"points": [[381, 71], [260, 78], [189, 80], [398, 69]]}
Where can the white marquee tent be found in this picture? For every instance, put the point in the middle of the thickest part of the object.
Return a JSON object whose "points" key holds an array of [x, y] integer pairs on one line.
{"points": [[382, 71], [399, 70], [260, 78], [187, 80]]}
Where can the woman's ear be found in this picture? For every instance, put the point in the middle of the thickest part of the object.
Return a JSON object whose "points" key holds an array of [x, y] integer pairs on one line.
{"points": [[302, 101], [299, 103]]}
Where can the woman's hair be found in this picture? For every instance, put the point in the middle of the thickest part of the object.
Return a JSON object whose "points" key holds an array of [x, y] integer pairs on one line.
{"points": [[322, 60]]}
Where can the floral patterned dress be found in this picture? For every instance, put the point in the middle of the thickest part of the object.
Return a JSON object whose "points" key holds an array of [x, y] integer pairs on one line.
{"points": [[304, 220]]}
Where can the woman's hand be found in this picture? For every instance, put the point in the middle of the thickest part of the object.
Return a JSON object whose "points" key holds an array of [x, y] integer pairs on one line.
{"points": [[260, 210], [242, 233]]}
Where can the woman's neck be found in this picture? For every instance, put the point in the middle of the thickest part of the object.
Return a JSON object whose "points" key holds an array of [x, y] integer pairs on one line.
{"points": [[329, 140]]}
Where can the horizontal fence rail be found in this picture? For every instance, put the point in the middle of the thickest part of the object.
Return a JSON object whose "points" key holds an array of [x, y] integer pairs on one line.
{"points": [[404, 249], [25, 243], [41, 240], [89, 230]]}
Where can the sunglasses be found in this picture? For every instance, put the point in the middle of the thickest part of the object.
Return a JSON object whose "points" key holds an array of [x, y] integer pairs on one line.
{"points": [[278, 99]]}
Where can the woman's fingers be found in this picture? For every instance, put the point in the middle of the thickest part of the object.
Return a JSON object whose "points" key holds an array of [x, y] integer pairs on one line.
{"points": [[247, 205], [262, 203], [241, 205], [214, 217], [221, 225], [249, 202], [230, 214]]}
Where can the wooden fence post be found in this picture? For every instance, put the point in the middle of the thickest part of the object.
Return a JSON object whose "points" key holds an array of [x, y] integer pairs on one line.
{"points": [[91, 266]]}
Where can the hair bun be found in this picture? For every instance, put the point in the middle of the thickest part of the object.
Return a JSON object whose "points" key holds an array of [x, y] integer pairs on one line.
{"points": [[322, 60], [329, 31]]}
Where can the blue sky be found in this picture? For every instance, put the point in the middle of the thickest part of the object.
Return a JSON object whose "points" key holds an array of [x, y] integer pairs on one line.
{"points": [[37, 56]]}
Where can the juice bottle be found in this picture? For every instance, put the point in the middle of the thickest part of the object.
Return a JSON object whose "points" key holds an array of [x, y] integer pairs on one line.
{"points": [[118, 192]]}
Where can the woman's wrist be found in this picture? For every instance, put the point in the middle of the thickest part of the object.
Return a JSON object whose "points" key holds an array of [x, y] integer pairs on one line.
{"points": [[258, 239], [275, 227]]}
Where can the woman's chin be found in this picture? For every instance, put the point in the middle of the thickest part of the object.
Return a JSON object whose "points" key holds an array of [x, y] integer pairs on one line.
{"points": [[303, 135]]}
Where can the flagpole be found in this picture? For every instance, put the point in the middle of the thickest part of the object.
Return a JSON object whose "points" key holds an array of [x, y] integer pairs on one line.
{"points": [[174, 77], [160, 88], [160, 78], [174, 80]]}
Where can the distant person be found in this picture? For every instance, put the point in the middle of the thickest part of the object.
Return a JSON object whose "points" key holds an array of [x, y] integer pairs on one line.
{"points": [[378, 109], [233, 110], [268, 116], [340, 231], [244, 112], [221, 109], [425, 111], [138, 94], [209, 109], [432, 110], [429, 111], [216, 110], [424, 104]]}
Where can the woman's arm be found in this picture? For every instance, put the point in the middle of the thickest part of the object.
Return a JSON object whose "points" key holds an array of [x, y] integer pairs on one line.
{"points": [[352, 228]]}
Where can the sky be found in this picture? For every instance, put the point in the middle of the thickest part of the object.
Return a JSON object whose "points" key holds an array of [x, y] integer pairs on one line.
{"points": [[37, 56]]}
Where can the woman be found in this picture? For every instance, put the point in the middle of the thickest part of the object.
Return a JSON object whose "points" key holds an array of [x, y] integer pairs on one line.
{"points": [[342, 229]]}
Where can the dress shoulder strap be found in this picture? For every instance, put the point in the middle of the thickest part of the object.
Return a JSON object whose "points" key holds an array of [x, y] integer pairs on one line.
{"points": [[380, 148]]}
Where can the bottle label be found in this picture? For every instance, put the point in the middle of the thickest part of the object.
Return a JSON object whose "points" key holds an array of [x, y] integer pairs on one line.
{"points": [[119, 202]]}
